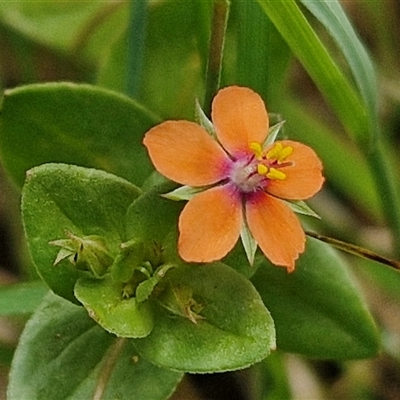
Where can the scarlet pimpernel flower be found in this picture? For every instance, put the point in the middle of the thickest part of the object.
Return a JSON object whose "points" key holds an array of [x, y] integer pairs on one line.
{"points": [[238, 180]]}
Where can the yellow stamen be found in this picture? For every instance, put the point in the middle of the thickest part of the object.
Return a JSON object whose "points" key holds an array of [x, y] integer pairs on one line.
{"points": [[257, 149], [279, 153], [262, 169], [286, 152], [274, 173]]}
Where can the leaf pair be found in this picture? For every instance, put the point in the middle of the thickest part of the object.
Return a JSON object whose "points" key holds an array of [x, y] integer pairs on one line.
{"points": [[174, 308]]}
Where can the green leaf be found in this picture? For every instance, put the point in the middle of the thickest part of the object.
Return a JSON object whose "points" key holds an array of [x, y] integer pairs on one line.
{"points": [[238, 260], [47, 22], [318, 310], [272, 380], [210, 319], [80, 31], [152, 217], [263, 65], [103, 298], [74, 124], [136, 48], [21, 298], [59, 197], [177, 33], [63, 354], [330, 13], [379, 276], [112, 71], [333, 84], [97, 37]]}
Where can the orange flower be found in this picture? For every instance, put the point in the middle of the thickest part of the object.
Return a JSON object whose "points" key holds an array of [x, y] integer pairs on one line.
{"points": [[239, 180]]}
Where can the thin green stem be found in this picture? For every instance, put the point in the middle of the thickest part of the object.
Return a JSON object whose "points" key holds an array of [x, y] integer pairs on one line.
{"points": [[136, 46], [217, 40], [356, 250]]}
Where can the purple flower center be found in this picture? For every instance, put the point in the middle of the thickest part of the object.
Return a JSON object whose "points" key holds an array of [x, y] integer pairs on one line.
{"points": [[251, 172]]}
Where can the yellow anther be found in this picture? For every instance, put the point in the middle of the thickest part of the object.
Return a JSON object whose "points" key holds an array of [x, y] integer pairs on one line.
{"points": [[275, 152], [274, 173], [262, 169], [257, 149], [279, 153], [286, 152]]}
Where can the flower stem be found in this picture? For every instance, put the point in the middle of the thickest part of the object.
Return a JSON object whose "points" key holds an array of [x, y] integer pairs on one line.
{"points": [[217, 40], [136, 46], [356, 250]]}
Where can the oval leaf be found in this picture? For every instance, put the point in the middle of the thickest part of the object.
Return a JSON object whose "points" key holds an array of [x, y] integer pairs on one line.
{"points": [[151, 217], [63, 354], [21, 298], [318, 310], [210, 319], [75, 124], [104, 301], [60, 197]]}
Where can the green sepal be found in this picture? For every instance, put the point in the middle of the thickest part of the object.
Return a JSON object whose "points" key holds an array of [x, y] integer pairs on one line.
{"points": [[104, 300], [184, 193], [203, 120], [89, 253], [130, 257], [273, 133], [249, 243], [238, 260], [179, 300], [140, 267], [145, 288], [301, 207]]}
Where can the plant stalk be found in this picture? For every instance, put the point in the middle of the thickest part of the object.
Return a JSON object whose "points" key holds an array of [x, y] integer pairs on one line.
{"points": [[136, 46], [356, 250], [217, 40]]}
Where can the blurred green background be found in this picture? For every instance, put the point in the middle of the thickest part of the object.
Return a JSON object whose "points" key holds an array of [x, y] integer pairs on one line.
{"points": [[158, 56]]}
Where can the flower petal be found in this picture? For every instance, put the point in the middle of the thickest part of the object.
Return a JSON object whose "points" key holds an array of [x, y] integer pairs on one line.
{"points": [[209, 225], [276, 229], [303, 178], [239, 118], [185, 153]]}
